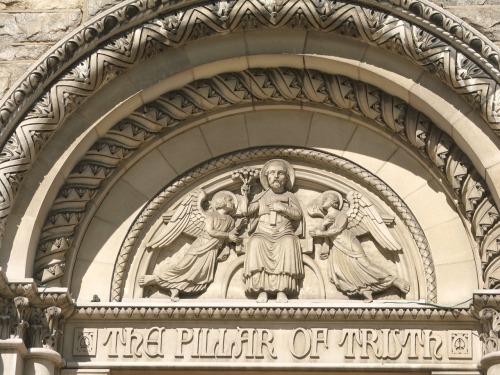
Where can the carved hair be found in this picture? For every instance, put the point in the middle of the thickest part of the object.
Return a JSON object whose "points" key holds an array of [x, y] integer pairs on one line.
{"points": [[337, 199], [290, 174], [221, 198], [277, 162]]}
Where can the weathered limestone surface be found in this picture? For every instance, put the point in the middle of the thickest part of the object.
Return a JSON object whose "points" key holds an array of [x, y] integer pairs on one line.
{"points": [[97, 6], [23, 51], [40, 4], [9, 73], [37, 27], [486, 19]]}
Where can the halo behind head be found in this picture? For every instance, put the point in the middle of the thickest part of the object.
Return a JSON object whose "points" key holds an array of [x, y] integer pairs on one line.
{"points": [[334, 193], [288, 167], [222, 194]]}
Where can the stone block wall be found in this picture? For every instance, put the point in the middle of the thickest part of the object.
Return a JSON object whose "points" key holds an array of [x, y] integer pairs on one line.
{"points": [[28, 28]]}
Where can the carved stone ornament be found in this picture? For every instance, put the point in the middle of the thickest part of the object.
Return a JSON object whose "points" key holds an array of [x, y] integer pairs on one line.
{"points": [[486, 307], [275, 227], [349, 267], [136, 30], [36, 317], [150, 121]]}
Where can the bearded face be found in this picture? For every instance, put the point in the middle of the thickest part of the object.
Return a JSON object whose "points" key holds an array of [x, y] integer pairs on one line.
{"points": [[276, 176]]}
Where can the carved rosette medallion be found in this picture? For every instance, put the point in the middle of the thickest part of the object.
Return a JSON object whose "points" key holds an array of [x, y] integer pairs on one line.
{"points": [[275, 224]]}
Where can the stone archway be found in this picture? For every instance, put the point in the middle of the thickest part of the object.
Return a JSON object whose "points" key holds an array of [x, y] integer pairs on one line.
{"points": [[143, 95]]}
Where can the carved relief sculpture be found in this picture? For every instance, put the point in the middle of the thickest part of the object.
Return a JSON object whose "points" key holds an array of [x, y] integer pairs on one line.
{"points": [[349, 268], [213, 229], [266, 228], [273, 260]]}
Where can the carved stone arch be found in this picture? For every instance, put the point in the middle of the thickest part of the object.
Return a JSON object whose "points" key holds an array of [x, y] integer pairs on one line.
{"points": [[472, 72], [84, 87], [332, 93], [414, 78]]}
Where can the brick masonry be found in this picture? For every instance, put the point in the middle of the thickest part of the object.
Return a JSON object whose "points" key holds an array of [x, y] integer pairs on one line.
{"points": [[28, 28]]}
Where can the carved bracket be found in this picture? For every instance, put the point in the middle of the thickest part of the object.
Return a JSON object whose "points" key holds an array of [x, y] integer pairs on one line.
{"points": [[486, 307], [36, 317]]}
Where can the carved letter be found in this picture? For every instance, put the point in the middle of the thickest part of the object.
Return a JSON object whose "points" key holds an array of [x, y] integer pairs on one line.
{"points": [[307, 343], [181, 340], [154, 341], [390, 339], [245, 335], [114, 334], [316, 339], [412, 335], [220, 348], [428, 338], [131, 338], [261, 342], [369, 337], [348, 336]]}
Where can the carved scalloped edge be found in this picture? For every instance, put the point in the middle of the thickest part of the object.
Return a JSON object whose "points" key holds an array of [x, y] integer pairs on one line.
{"points": [[174, 29], [151, 119], [129, 13], [43, 298], [335, 162], [337, 312], [483, 299]]}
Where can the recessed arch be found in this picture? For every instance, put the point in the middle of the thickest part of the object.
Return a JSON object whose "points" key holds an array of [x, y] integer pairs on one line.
{"points": [[145, 93], [467, 77], [372, 74]]}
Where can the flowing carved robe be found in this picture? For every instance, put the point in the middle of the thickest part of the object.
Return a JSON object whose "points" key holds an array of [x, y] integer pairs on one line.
{"points": [[273, 260], [349, 268], [196, 269]]}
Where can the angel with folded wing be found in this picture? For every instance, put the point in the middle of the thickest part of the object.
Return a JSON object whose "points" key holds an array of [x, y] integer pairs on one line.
{"points": [[213, 229], [349, 268]]}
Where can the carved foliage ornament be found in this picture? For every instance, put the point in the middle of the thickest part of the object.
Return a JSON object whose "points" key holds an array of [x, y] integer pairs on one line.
{"points": [[34, 316], [467, 62], [272, 229], [223, 15]]}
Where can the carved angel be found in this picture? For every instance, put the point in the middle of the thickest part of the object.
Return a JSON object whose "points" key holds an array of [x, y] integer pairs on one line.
{"points": [[213, 229], [349, 268]]}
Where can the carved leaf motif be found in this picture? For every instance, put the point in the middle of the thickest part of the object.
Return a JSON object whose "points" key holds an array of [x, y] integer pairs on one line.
{"points": [[438, 147], [122, 45], [42, 109], [467, 69], [13, 150], [473, 190], [484, 218], [80, 73], [457, 168]]}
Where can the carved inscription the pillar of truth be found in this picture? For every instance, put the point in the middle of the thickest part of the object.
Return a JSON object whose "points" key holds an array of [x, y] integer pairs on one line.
{"points": [[316, 343]]}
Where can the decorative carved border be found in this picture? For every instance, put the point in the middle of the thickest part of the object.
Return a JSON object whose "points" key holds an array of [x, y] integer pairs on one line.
{"points": [[254, 85], [361, 312], [417, 30], [107, 25], [328, 161]]}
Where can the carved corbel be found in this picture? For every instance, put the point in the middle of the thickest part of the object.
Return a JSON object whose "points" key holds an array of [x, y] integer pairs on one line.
{"points": [[54, 319], [490, 321], [22, 310]]}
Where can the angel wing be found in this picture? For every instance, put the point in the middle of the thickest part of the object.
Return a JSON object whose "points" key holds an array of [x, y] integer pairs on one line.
{"points": [[364, 218], [188, 217]]}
